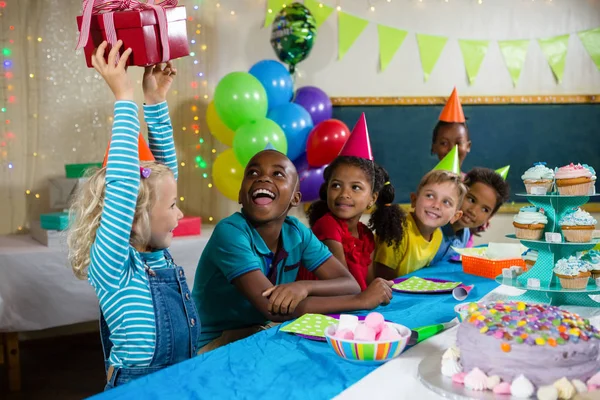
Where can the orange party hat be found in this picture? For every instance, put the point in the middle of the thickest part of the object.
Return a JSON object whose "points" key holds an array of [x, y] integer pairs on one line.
{"points": [[453, 111], [143, 150]]}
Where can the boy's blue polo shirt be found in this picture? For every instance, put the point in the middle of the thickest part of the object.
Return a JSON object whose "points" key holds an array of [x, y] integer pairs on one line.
{"points": [[236, 248], [451, 239]]}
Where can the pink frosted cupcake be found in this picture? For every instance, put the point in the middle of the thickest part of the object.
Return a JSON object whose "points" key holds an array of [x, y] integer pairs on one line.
{"points": [[573, 180]]}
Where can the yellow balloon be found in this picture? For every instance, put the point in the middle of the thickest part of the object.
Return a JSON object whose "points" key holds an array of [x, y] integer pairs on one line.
{"points": [[227, 174], [217, 127]]}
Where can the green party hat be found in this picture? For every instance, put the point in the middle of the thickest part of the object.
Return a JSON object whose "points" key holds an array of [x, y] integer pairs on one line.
{"points": [[503, 172], [450, 162]]}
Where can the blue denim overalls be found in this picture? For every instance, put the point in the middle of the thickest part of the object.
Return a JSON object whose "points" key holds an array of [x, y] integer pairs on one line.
{"points": [[177, 325]]}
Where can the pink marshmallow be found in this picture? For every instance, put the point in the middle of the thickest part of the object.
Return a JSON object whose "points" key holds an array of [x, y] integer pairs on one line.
{"points": [[591, 387], [376, 321], [502, 388], [344, 334], [364, 333], [459, 378], [387, 334]]}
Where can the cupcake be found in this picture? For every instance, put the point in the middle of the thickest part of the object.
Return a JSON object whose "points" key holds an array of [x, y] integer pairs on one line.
{"points": [[592, 257], [577, 226], [538, 176], [572, 273], [593, 172], [529, 223], [573, 180], [530, 257]]}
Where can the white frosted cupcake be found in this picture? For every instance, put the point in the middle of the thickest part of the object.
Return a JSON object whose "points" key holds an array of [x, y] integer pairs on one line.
{"points": [[529, 223], [538, 179], [572, 273], [530, 257], [577, 226], [592, 257]]}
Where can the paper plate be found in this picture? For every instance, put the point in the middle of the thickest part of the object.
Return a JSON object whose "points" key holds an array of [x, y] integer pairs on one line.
{"points": [[446, 290]]}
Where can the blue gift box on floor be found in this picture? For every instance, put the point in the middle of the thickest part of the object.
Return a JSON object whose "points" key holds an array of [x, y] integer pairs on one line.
{"points": [[58, 221]]}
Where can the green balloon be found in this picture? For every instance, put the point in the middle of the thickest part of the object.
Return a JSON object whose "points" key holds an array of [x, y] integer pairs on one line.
{"points": [[293, 34], [240, 98], [255, 136]]}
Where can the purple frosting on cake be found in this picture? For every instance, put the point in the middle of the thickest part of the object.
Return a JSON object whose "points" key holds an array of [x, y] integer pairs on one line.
{"points": [[531, 343]]}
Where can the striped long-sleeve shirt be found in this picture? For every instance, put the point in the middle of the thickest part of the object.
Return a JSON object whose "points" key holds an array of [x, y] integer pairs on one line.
{"points": [[117, 270]]}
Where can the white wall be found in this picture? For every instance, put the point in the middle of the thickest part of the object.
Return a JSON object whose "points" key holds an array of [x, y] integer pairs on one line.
{"points": [[238, 41]]}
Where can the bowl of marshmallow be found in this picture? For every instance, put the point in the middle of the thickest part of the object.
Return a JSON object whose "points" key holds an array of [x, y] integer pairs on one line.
{"points": [[371, 341]]}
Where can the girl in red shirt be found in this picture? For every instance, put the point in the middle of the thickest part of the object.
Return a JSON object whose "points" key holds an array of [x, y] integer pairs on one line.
{"points": [[352, 186]]}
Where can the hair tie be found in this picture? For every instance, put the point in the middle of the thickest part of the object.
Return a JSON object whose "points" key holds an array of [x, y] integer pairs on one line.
{"points": [[145, 172], [388, 204], [387, 183]]}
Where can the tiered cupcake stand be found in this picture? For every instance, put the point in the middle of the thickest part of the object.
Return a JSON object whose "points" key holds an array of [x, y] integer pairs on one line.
{"points": [[550, 290]]}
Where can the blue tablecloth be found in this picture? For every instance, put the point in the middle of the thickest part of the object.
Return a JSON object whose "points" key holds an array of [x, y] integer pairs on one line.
{"points": [[278, 365]]}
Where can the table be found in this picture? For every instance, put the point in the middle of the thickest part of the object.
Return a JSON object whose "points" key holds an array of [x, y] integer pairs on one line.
{"points": [[38, 289], [273, 364]]}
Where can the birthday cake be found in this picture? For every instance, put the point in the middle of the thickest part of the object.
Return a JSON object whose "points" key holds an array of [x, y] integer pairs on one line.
{"points": [[519, 349]]}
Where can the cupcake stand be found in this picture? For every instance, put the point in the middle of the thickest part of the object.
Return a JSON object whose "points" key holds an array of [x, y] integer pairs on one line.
{"points": [[550, 290]]}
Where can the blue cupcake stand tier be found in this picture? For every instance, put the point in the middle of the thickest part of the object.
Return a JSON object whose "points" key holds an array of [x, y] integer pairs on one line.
{"points": [[550, 291]]}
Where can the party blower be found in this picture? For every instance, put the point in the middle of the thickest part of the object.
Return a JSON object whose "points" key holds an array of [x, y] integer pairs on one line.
{"points": [[417, 335]]}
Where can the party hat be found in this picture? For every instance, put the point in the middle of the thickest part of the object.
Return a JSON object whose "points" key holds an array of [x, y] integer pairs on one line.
{"points": [[358, 144], [450, 162], [503, 172], [269, 146], [453, 111], [143, 150]]}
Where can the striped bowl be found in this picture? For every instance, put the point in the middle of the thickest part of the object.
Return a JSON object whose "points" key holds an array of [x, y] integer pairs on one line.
{"points": [[368, 352]]}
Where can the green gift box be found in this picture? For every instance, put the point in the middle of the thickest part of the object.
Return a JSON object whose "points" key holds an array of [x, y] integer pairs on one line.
{"points": [[78, 170], [55, 221]]}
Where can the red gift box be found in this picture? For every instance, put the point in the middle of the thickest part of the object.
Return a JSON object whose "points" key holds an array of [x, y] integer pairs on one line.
{"points": [[140, 30], [188, 226]]}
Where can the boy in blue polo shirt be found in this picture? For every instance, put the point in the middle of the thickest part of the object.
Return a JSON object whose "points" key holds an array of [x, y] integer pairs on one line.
{"points": [[246, 274]]}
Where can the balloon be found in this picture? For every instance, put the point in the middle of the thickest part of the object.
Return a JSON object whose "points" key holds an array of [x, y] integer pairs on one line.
{"points": [[293, 34], [254, 136], [240, 98], [217, 127], [325, 142], [276, 80], [311, 179], [227, 174], [315, 101], [296, 124]]}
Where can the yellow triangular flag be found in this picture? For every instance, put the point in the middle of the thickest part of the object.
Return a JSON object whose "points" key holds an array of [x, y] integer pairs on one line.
{"points": [[473, 52], [319, 10], [555, 50], [390, 40], [273, 8], [430, 49], [349, 29]]}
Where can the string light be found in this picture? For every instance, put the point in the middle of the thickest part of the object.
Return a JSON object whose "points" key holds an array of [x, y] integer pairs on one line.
{"points": [[210, 219], [181, 198]]}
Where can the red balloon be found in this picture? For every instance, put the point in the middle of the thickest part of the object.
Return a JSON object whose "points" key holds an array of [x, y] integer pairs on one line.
{"points": [[325, 142]]}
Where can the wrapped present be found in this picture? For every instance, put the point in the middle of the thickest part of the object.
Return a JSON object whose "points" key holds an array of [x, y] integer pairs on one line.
{"points": [[155, 32], [188, 226], [61, 191], [49, 238], [79, 170], [58, 221]]}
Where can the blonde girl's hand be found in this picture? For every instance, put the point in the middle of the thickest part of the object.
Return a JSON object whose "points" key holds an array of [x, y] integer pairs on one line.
{"points": [[157, 82], [115, 74]]}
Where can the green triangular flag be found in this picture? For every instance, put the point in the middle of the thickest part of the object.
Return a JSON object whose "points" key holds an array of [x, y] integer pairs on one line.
{"points": [[514, 53], [319, 10], [591, 42], [349, 29], [275, 6], [390, 40], [555, 50], [503, 172], [449, 163], [473, 52], [430, 49]]}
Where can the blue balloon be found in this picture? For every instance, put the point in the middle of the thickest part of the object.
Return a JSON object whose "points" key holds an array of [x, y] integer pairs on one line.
{"points": [[296, 123], [276, 80]]}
